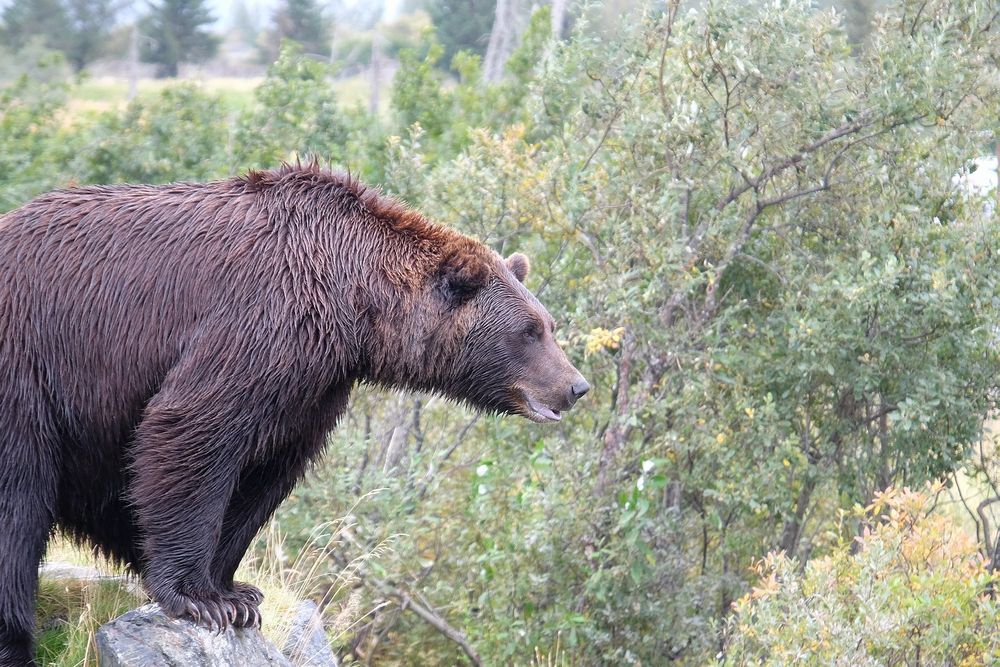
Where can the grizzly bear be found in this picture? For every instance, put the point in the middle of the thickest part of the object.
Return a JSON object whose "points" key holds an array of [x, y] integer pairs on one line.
{"points": [[172, 357]]}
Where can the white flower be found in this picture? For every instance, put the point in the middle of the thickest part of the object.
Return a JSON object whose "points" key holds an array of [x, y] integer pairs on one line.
{"points": [[647, 465], [482, 470], [641, 484]]}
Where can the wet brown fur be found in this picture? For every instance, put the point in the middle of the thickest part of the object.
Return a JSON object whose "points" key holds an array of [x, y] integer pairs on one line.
{"points": [[171, 358]]}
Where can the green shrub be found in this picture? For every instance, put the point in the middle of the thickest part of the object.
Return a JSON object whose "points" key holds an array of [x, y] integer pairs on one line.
{"points": [[33, 92], [913, 589], [295, 114], [181, 134]]}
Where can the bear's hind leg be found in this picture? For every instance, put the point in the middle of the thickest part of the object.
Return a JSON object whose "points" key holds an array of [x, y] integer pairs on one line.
{"points": [[28, 486]]}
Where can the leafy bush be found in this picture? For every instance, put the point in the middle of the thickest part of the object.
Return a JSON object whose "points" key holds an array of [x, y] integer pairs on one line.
{"points": [[181, 134], [32, 92], [750, 233], [912, 589], [806, 311], [448, 115], [296, 114]]}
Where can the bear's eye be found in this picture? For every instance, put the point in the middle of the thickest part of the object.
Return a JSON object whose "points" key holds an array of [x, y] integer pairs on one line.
{"points": [[531, 334]]}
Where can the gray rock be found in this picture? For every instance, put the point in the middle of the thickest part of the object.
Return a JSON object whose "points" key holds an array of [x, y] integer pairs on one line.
{"points": [[307, 645], [146, 637], [58, 570], [86, 574]]}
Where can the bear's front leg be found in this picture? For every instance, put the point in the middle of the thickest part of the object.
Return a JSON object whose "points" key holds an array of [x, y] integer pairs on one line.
{"points": [[258, 494], [188, 453], [261, 489]]}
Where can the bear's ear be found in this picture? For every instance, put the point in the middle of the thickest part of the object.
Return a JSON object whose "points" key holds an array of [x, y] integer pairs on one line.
{"points": [[462, 275], [519, 266]]}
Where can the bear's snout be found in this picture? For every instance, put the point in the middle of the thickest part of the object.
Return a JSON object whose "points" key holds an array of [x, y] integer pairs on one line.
{"points": [[578, 389], [547, 405]]}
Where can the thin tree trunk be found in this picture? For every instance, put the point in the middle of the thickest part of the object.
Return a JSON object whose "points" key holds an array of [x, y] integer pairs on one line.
{"points": [[617, 431], [996, 190], [133, 62], [792, 532], [558, 17], [502, 39], [375, 79]]}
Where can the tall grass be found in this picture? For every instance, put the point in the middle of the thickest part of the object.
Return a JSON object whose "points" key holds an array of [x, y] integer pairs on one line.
{"points": [[554, 657], [286, 580], [71, 611]]}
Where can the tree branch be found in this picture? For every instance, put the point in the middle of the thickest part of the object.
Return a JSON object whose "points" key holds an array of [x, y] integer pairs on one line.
{"points": [[792, 160], [672, 7], [981, 511], [406, 602], [424, 611]]}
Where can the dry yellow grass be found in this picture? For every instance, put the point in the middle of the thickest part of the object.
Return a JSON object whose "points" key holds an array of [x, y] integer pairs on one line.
{"points": [[70, 612]]}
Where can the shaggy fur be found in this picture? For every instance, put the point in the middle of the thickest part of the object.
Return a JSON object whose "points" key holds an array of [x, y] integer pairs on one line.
{"points": [[171, 358]]}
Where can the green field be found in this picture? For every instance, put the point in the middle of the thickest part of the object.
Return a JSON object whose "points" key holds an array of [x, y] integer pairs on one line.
{"points": [[104, 93]]}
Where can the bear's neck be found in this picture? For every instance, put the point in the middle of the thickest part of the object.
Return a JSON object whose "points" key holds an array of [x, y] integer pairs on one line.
{"points": [[410, 336]]}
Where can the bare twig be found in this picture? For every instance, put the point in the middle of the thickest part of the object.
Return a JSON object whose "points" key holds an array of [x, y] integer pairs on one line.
{"points": [[614, 117], [672, 7], [406, 602], [459, 439], [981, 511]]}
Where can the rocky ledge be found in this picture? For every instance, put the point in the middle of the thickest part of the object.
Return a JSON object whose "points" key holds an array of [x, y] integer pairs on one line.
{"points": [[146, 637]]}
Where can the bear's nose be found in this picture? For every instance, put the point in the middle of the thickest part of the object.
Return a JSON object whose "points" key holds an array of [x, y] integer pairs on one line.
{"points": [[579, 388]]}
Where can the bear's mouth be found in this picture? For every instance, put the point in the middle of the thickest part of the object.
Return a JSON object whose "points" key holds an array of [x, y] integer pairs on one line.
{"points": [[539, 413]]}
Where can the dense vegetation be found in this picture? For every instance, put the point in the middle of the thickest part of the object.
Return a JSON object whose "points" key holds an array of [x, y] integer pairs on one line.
{"points": [[751, 233]]}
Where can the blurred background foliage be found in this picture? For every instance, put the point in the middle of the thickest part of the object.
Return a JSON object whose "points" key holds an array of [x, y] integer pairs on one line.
{"points": [[749, 220]]}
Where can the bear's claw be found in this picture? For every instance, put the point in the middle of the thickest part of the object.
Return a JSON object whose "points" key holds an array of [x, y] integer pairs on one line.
{"points": [[209, 611], [244, 600], [193, 611], [248, 592]]}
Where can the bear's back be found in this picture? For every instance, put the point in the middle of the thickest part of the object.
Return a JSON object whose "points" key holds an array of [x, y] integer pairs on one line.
{"points": [[101, 287]]}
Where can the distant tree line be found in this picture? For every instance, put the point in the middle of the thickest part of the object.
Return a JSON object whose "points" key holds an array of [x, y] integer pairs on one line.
{"points": [[171, 32], [77, 28], [174, 31], [177, 31]]}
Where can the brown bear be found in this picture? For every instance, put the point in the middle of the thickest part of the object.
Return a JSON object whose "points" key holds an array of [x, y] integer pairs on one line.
{"points": [[171, 358]]}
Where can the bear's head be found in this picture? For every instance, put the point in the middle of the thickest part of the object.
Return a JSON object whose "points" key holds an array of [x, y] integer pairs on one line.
{"points": [[482, 338]]}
